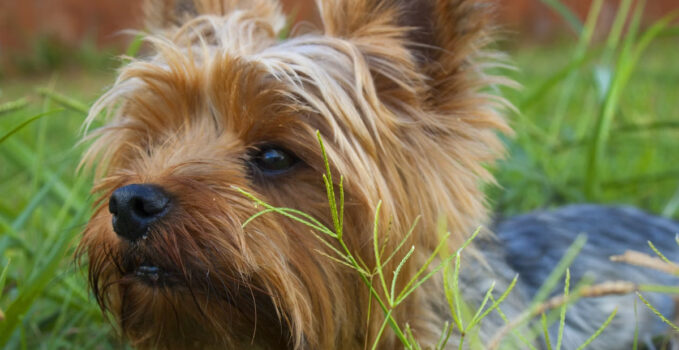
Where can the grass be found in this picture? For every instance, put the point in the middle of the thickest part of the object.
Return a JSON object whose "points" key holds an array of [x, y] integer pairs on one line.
{"points": [[599, 123], [637, 166], [44, 208], [48, 53]]}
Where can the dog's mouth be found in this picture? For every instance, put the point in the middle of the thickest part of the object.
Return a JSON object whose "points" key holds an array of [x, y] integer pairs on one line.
{"points": [[153, 275], [149, 272]]}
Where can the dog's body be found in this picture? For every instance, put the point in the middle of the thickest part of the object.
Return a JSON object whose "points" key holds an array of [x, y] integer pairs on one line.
{"points": [[224, 106], [533, 244]]}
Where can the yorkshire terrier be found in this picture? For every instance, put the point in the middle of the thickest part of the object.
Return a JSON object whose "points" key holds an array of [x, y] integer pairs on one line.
{"points": [[225, 105]]}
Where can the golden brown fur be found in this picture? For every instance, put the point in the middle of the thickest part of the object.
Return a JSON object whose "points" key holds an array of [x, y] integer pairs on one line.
{"points": [[399, 93]]}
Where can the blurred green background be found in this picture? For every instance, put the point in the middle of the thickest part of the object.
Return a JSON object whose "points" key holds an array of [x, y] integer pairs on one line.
{"points": [[597, 121]]}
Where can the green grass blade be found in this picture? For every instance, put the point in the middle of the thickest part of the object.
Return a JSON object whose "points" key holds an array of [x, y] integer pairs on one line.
{"points": [[616, 30], [442, 243], [659, 289], [635, 341], [398, 270], [505, 294], [33, 288], [378, 259], [514, 331], [545, 331], [658, 313], [25, 157], [403, 241], [566, 13], [457, 294], [600, 330], [659, 253], [20, 220], [13, 106], [3, 279], [672, 206], [411, 337], [477, 316], [670, 32], [65, 101], [627, 63], [562, 312], [287, 212], [382, 327], [330, 187], [302, 217], [556, 274], [25, 123], [135, 45], [445, 335], [538, 94], [411, 287], [580, 58]]}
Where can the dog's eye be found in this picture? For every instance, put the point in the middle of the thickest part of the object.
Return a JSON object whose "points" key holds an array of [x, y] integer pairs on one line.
{"points": [[273, 160]]}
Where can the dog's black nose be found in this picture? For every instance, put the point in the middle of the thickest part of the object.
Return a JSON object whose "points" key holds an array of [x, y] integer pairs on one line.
{"points": [[135, 207]]}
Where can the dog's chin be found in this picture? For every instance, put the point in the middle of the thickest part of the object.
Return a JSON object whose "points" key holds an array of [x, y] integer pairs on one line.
{"points": [[159, 305], [162, 315], [152, 313], [156, 308]]}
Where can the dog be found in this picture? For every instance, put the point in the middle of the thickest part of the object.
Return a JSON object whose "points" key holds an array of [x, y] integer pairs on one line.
{"points": [[223, 109]]}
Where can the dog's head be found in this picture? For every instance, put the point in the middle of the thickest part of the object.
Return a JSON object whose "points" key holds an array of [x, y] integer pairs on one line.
{"points": [[224, 103]]}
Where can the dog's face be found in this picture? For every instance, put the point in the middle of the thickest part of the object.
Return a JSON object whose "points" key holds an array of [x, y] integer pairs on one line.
{"points": [[224, 105]]}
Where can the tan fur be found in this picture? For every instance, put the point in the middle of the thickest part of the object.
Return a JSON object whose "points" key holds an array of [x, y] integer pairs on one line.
{"points": [[403, 106]]}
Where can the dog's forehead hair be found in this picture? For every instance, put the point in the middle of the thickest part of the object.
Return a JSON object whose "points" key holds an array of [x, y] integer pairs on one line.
{"points": [[277, 93]]}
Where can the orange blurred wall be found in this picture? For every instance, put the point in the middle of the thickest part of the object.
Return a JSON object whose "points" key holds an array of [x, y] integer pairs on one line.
{"points": [[70, 21]]}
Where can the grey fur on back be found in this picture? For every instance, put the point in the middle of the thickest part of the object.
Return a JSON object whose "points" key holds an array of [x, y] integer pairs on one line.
{"points": [[533, 244]]}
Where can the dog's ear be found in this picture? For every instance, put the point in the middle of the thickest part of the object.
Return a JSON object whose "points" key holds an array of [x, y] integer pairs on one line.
{"points": [[424, 60], [166, 14], [443, 37], [162, 14]]}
